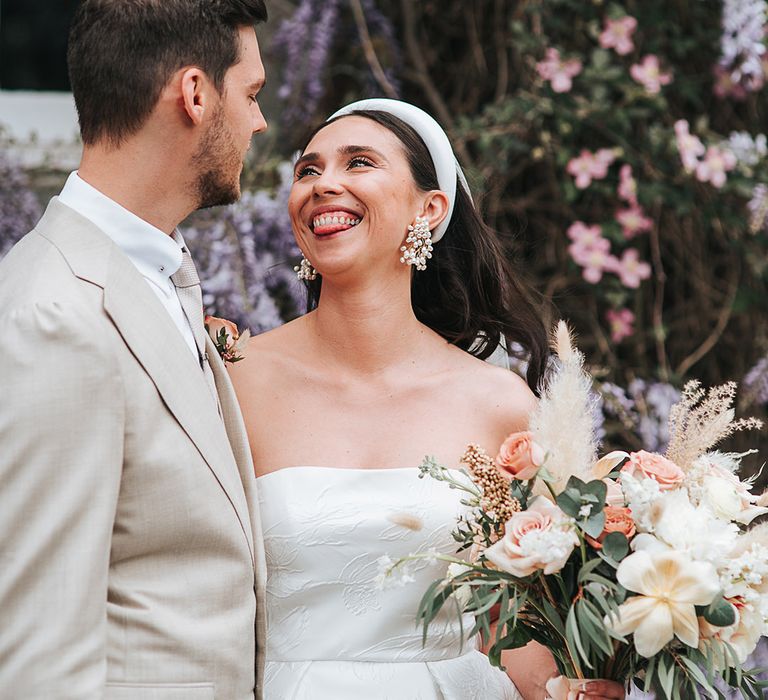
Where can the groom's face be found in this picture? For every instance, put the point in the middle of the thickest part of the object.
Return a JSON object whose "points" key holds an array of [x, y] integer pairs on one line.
{"points": [[234, 120]]}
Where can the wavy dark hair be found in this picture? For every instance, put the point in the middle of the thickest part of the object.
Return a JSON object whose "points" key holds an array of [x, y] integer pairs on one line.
{"points": [[470, 292]]}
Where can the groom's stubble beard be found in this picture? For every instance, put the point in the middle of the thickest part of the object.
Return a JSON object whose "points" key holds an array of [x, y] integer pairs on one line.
{"points": [[218, 163]]}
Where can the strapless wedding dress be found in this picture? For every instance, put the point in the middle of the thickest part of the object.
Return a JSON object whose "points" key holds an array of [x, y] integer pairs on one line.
{"points": [[332, 632]]}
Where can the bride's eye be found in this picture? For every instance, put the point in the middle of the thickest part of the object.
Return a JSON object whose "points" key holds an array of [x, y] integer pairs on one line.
{"points": [[306, 170], [358, 161]]}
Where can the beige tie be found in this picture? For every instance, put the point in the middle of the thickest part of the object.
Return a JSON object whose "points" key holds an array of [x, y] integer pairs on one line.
{"points": [[191, 297]]}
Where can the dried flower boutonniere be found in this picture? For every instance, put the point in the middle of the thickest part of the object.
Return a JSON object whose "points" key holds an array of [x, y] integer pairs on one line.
{"points": [[229, 342]]}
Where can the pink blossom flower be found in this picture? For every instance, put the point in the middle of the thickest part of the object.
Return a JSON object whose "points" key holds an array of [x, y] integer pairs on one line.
{"points": [[630, 269], [560, 73], [590, 166], [595, 261], [617, 35], [633, 220], [627, 185], [725, 86], [689, 146], [648, 74], [716, 163], [621, 322], [584, 236]]}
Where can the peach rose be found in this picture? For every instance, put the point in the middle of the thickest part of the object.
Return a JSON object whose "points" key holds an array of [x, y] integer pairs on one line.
{"points": [[617, 519], [540, 537], [653, 466], [520, 457]]}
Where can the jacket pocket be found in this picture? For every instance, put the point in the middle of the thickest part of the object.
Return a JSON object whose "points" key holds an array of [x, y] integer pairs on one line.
{"points": [[159, 691]]}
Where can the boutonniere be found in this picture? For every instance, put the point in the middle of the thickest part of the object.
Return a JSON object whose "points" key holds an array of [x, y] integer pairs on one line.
{"points": [[229, 342]]}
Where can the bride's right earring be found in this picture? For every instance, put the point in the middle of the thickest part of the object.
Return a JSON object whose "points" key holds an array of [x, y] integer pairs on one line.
{"points": [[304, 270]]}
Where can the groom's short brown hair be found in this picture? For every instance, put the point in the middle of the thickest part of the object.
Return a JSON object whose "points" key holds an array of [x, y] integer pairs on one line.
{"points": [[123, 52]]}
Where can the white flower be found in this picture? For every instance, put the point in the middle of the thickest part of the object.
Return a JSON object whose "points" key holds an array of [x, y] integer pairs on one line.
{"points": [[695, 530], [641, 494], [392, 574], [463, 593], [669, 585]]}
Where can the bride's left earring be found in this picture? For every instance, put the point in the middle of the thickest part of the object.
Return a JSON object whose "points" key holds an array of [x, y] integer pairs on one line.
{"points": [[304, 270], [418, 244]]}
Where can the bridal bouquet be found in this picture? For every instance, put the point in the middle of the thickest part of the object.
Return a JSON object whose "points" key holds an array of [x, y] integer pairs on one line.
{"points": [[628, 567]]}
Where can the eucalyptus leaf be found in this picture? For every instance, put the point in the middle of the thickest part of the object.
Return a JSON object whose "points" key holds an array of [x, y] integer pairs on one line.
{"points": [[720, 613], [616, 546], [594, 524]]}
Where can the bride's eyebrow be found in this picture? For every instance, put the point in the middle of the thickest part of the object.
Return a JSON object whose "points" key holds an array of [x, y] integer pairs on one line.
{"points": [[356, 150]]}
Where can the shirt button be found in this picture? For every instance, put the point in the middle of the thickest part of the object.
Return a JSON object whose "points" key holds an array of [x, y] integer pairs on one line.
{"points": [[162, 268]]}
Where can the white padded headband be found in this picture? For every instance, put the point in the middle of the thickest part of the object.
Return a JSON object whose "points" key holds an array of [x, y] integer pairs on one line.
{"points": [[446, 165]]}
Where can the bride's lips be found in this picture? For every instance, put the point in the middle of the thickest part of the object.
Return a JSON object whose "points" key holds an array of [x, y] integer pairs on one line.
{"points": [[328, 220]]}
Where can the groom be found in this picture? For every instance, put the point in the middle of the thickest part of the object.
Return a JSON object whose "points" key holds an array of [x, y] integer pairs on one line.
{"points": [[129, 530]]}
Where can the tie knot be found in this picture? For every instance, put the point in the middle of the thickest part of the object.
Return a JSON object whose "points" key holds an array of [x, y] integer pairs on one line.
{"points": [[186, 275]]}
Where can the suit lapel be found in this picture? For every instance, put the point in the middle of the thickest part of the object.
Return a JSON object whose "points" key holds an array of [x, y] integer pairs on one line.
{"points": [[157, 345], [233, 421]]}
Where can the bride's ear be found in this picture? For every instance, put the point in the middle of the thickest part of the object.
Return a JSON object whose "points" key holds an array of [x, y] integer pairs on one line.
{"points": [[435, 208]]}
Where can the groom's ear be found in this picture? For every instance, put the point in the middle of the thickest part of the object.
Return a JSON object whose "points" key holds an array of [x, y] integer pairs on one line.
{"points": [[195, 93], [435, 208]]}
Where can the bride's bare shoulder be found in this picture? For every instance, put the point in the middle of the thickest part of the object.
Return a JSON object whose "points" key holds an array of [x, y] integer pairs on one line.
{"points": [[269, 353], [499, 392]]}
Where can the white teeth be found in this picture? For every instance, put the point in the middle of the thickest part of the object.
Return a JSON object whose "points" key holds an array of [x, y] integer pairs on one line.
{"points": [[330, 220]]}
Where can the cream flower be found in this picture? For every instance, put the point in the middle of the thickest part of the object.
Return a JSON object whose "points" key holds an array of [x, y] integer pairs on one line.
{"points": [[669, 586]]}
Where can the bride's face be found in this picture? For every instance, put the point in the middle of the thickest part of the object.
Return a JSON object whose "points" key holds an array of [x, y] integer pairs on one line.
{"points": [[352, 199]]}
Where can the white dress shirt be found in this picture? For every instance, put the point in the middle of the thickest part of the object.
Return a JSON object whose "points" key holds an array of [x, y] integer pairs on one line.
{"points": [[155, 254]]}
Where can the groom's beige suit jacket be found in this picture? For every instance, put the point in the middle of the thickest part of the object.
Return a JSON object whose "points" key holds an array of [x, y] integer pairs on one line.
{"points": [[131, 557]]}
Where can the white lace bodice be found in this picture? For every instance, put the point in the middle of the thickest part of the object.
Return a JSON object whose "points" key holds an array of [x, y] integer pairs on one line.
{"points": [[332, 631]]}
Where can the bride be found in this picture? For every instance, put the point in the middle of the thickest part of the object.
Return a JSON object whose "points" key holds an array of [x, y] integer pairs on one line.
{"points": [[342, 404]]}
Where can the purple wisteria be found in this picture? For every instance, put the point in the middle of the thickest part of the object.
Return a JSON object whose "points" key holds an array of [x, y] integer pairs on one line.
{"points": [[303, 43], [742, 44], [755, 383], [245, 255], [19, 206]]}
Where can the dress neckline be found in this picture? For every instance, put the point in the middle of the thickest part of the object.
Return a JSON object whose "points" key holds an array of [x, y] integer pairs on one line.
{"points": [[354, 470]]}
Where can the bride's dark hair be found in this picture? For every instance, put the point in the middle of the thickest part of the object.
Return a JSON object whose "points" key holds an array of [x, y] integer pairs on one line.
{"points": [[470, 293]]}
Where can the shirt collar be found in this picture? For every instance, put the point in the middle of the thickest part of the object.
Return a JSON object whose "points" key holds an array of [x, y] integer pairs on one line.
{"points": [[156, 255]]}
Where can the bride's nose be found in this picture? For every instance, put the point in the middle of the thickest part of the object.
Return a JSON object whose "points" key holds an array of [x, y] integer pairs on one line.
{"points": [[327, 182]]}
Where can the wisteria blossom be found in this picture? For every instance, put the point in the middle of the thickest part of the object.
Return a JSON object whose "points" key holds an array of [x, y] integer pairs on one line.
{"points": [[758, 209], [755, 382], [649, 74], [630, 269], [589, 166], [716, 163], [558, 72], [621, 323], [689, 145], [617, 35], [633, 221], [742, 43], [19, 206], [749, 150], [627, 185]]}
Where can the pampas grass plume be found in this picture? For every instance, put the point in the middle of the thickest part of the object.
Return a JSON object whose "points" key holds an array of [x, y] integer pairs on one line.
{"points": [[562, 422]]}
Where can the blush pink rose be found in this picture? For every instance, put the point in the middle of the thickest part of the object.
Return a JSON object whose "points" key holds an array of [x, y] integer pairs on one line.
{"points": [[540, 537], [653, 466], [519, 456]]}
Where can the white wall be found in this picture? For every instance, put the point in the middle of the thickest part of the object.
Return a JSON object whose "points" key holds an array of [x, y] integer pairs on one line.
{"points": [[40, 128]]}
